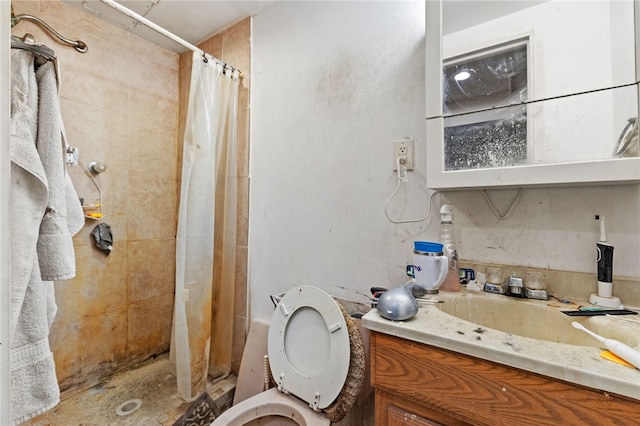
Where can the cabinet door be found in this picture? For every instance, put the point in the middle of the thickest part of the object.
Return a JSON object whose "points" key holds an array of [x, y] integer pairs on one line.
{"points": [[399, 417], [394, 410], [531, 94]]}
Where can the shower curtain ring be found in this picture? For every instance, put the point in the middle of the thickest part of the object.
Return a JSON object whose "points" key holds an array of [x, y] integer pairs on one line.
{"points": [[204, 57]]}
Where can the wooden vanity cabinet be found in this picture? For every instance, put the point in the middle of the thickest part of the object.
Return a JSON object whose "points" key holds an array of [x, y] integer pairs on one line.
{"points": [[419, 385]]}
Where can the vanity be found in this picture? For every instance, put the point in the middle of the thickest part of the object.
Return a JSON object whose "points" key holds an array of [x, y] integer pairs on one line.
{"points": [[439, 369]]}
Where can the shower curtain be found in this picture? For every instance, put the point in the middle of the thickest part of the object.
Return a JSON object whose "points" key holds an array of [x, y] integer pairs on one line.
{"points": [[206, 235]]}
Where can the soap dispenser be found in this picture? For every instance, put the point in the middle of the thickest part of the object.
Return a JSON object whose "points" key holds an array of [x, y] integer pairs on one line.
{"points": [[452, 282]]}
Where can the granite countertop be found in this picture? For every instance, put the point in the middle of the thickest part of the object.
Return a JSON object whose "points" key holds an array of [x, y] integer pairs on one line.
{"points": [[581, 365]]}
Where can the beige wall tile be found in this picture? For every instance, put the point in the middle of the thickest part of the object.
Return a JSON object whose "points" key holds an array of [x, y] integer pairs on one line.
{"points": [[101, 281], [238, 56], [149, 326], [149, 106], [243, 142], [237, 33], [239, 338], [65, 344], [103, 344], [151, 152], [240, 295], [151, 268], [151, 68], [243, 91], [212, 45], [151, 208], [68, 298], [242, 236]]}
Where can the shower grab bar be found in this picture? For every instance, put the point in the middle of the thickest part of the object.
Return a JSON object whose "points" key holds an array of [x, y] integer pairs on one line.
{"points": [[79, 45]]}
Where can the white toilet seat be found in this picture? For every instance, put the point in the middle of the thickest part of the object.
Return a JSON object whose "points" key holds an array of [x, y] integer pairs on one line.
{"points": [[309, 354], [309, 349], [271, 403]]}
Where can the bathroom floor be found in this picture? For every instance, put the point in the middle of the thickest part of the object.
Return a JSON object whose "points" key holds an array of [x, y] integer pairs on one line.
{"points": [[152, 382]]}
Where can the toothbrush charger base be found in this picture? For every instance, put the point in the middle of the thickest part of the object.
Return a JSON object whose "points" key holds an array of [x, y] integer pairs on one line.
{"points": [[606, 302]]}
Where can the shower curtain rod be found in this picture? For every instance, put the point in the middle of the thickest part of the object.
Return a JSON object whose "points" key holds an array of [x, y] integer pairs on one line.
{"points": [[141, 19]]}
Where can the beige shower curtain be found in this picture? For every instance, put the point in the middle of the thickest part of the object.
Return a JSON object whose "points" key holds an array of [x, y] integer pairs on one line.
{"points": [[206, 236]]}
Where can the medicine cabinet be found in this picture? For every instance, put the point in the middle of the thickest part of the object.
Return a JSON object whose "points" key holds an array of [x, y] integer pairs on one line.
{"points": [[532, 93]]}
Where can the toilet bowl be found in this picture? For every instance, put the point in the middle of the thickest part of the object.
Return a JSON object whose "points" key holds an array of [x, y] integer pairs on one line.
{"points": [[309, 351], [272, 407]]}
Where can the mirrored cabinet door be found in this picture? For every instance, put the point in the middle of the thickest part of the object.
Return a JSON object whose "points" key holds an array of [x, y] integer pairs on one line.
{"points": [[531, 93], [563, 47]]}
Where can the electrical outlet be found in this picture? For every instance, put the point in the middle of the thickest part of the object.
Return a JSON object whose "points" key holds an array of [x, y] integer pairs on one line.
{"points": [[403, 147]]}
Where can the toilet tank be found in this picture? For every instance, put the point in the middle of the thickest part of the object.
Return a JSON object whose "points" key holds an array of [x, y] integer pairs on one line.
{"points": [[251, 375]]}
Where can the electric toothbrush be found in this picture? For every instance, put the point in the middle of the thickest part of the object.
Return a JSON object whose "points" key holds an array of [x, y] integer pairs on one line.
{"points": [[604, 252], [604, 259], [620, 349]]}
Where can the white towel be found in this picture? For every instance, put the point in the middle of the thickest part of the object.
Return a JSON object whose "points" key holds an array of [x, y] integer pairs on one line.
{"points": [[34, 385], [55, 245], [42, 199], [29, 189]]}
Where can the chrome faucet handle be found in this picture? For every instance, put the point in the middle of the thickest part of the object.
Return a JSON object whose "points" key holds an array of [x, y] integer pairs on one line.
{"points": [[496, 288]]}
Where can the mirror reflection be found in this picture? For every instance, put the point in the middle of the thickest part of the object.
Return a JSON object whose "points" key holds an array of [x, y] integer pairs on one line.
{"points": [[478, 81], [538, 82]]}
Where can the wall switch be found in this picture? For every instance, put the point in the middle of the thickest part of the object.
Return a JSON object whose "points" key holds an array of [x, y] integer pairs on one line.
{"points": [[402, 148]]}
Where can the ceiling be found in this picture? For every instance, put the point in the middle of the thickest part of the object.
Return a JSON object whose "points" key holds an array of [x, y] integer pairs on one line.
{"points": [[192, 20]]}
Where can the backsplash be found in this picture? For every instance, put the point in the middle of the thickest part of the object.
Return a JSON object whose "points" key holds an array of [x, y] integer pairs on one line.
{"points": [[574, 286]]}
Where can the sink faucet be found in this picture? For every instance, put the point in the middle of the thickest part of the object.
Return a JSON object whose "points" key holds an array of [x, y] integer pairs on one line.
{"points": [[514, 286]]}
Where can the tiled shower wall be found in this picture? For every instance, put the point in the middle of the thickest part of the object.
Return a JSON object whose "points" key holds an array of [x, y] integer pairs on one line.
{"points": [[120, 105]]}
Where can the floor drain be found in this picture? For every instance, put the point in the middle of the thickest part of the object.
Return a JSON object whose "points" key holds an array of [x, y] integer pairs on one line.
{"points": [[128, 407]]}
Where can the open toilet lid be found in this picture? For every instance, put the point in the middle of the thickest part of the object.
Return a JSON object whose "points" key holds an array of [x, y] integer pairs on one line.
{"points": [[308, 346]]}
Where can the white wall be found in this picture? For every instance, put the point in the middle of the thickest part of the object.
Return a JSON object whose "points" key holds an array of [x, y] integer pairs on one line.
{"points": [[552, 228], [333, 84]]}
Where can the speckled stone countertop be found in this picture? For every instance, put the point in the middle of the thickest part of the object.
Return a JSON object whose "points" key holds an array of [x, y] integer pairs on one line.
{"points": [[581, 365]]}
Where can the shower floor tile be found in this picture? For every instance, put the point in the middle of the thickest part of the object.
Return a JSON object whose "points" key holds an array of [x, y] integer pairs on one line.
{"points": [[152, 382]]}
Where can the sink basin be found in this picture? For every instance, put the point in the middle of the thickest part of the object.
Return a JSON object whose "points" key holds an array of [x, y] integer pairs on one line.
{"points": [[532, 335], [536, 319]]}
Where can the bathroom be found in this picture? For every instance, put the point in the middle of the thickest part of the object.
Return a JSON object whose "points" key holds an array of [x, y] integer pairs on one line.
{"points": [[330, 85]]}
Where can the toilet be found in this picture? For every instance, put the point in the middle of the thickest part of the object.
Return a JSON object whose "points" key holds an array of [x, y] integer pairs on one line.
{"points": [[310, 349]]}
